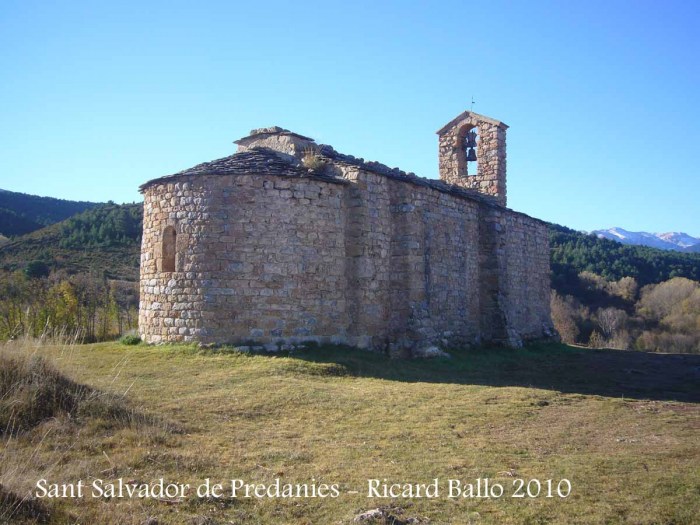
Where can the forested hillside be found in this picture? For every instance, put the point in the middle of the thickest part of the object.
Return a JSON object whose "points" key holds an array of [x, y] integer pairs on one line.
{"points": [[13, 224], [104, 226], [574, 252], [606, 294], [76, 277], [105, 240], [21, 213]]}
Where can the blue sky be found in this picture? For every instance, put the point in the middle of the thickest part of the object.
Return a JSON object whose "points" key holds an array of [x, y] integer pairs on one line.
{"points": [[602, 98]]}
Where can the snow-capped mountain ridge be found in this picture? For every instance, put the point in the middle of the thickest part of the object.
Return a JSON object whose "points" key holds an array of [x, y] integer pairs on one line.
{"points": [[681, 239], [678, 241]]}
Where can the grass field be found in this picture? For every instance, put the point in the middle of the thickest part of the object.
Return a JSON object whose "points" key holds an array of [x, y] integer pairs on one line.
{"points": [[622, 427]]}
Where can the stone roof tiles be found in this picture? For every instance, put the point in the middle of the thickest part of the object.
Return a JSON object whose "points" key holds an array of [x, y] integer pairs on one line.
{"points": [[475, 116], [398, 174], [273, 130], [267, 161], [260, 160]]}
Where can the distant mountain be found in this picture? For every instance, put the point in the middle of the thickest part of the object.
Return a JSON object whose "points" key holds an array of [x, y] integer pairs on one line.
{"points": [[678, 241], [104, 239], [679, 238], [13, 224], [21, 213]]}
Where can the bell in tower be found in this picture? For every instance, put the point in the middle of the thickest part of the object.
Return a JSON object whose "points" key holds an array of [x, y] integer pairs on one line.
{"points": [[459, 141], [469, 145], [470, 139]]}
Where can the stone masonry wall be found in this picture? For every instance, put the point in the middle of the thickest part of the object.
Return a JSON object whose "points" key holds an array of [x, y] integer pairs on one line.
{"points": [[526, 280], [374, 262], [412, 264], [172, 303], [261, 258]]}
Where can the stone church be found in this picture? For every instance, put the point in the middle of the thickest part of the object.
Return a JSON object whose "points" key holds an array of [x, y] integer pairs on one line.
{"points": [[289, 241]]}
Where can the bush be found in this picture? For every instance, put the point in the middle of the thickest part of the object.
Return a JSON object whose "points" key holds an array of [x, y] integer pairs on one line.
{"points": [[564, 317], [37, 269], [130, 339], [312, 159]]}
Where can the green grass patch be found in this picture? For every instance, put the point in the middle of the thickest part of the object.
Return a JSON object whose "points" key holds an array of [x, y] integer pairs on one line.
{"points": [[621, 426]]}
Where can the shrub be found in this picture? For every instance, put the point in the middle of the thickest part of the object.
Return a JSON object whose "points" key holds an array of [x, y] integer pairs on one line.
{"points": [[130, 339], [610, 321], [564, 318], [31, 390], [37, 269], [312, 160], [597, 340], [661, 300]]}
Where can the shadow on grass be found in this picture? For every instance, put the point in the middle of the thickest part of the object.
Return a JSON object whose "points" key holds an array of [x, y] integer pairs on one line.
{"points": [[611, 373]]}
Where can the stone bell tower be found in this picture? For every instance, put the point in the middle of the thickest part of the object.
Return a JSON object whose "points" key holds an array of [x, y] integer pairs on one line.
{"points": [[474, 142]]}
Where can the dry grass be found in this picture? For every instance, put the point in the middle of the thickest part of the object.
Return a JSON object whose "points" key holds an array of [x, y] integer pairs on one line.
{"points": [[311, 159], [16, 509], [37, 402], [32, 391], [629, 448]]}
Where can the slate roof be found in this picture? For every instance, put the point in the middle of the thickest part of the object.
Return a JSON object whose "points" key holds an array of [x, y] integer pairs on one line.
{"points": [[272, 130], [264, 160], [476, 116], [410, 177], [259, 160]]}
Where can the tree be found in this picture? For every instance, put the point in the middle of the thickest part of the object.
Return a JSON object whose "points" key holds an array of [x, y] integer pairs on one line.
{"points": [[37, 270], [626, 288], [659, 301], [564, 317], [610, 320]]}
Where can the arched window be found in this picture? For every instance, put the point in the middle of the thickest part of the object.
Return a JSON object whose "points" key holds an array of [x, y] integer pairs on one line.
{"points": [[168, 249]]}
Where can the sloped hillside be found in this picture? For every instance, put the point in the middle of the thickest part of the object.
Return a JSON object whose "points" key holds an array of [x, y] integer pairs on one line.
{"points": [[106, 240], [21, 213]]}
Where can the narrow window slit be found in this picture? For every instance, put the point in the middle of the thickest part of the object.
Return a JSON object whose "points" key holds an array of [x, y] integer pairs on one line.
{"points": [[169, 249]]}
